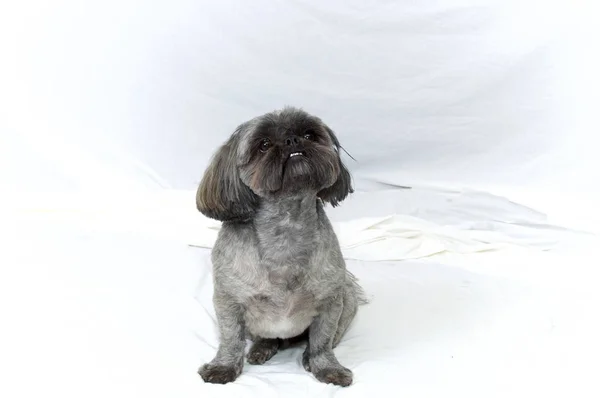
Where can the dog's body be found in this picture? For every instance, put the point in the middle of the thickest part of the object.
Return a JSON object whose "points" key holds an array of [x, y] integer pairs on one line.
{"points": [[278, 270]]}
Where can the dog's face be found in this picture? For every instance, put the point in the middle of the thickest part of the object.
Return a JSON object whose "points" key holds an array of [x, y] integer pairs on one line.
{"points": [[281, 154], [288, 153]]}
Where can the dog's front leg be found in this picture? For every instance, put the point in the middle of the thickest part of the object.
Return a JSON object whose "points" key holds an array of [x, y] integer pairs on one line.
{"points": [[319, 357], [229, 361]]}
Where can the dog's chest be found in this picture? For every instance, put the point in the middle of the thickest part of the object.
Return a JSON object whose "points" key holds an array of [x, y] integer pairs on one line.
{"points": [[279, 312], [283, 306], [282, 303], [287, 244], [287, 261]]}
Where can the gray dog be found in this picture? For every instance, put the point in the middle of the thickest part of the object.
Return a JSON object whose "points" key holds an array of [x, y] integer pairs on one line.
{"points": [[279, 274]]}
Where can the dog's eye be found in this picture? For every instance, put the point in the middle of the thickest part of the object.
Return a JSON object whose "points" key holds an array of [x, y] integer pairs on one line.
{"points": [[265, 145], [309, 135]]}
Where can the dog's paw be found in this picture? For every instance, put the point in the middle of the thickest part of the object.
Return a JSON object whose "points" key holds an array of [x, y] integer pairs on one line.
{"points": [[218, 374], [338, 376], [261, 353]]}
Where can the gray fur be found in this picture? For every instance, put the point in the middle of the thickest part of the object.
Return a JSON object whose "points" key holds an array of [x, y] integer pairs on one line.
{"points": [[278, 268]]}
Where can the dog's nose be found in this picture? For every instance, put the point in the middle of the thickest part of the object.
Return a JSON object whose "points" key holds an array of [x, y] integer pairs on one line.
{"points": [[292, 141]]}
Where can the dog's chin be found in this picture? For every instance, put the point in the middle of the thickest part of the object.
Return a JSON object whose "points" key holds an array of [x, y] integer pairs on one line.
{"points": [[299, 178], [298, 166]]}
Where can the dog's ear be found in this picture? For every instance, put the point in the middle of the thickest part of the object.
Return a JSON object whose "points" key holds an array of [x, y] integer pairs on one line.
{"points": [[342, 187], [222, 195]]}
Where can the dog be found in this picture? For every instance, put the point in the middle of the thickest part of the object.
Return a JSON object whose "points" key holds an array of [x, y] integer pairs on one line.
{"points": [[279, 275]]}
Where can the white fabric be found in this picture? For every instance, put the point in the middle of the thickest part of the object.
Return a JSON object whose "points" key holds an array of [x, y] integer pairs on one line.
{"points": [[101, 313], [490, 94], [443, 222], [109, 112]]}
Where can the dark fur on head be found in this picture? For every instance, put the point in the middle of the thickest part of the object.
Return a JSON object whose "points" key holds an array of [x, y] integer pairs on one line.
{"points": [[242, 171]]}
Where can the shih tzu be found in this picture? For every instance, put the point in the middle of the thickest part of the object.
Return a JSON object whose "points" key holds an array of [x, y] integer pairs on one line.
{"points": [[279, 274]]}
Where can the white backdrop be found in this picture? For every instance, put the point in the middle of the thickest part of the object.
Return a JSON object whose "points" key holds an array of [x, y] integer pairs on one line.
{"points": [[495, 95], [104, 101]]}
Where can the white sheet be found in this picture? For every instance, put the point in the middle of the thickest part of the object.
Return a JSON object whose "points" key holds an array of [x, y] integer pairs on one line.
{"points": [[495, 95], [105, 107], [387, 225], [94, 312]]}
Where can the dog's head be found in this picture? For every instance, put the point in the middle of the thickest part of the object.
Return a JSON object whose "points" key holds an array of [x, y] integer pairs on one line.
{"points": [[281, 154]]}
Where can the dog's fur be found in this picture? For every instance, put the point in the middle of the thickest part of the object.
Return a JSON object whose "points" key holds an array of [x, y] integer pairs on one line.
{"points": [[279, 274]]}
